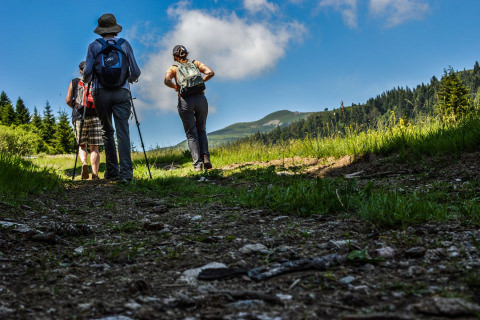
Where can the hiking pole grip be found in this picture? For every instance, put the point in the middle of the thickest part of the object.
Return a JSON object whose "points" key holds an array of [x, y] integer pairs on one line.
{"points": [[82, 122], [140, 134]]}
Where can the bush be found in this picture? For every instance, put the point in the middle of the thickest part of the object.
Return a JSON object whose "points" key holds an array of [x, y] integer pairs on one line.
{"points": [[18, 140]]}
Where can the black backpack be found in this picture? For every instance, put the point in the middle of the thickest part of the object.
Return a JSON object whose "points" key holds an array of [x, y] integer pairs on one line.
{"points": [[111, 64]]}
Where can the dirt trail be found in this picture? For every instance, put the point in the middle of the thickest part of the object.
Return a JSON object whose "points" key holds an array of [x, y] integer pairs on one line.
{"points": [[98, 251]]}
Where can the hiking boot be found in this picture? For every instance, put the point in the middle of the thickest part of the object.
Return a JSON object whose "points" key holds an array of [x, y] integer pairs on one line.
{"points": [[85, 174], [206, 162], [198, 167], [106, 176], [95, 176]]}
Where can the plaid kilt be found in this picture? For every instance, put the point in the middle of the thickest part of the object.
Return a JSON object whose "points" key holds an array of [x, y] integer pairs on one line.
{"points": [[91, 132]]}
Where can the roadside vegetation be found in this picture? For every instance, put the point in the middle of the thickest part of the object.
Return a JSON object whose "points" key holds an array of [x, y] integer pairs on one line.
{"points": [[242, 179]]}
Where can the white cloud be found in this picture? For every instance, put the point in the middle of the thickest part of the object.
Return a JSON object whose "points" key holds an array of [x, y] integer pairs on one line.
{"points": [[399, 11], [144, 33], [255, 6], [348, 9], [233, 47]]}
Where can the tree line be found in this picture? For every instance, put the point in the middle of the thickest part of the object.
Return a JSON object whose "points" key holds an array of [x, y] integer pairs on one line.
{"points": [[453, 97], [34, 132]]}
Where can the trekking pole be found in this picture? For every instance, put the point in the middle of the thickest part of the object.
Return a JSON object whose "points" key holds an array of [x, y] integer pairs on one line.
{"points": [[140, 134], [77, 145]]}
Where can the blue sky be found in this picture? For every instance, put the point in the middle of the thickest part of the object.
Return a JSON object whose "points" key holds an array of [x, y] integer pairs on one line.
{"points": [[300, 55]]}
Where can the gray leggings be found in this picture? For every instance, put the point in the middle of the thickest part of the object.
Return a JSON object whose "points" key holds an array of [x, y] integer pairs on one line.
{"points": [[193, 111], [115, 103]]}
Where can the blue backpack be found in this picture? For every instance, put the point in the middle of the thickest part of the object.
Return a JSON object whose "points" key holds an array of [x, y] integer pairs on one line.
{"points": [[111, 64]]}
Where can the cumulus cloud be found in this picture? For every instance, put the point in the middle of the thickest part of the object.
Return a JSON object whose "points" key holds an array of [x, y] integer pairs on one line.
{"points": [[255, 6], [348, 9], [394, 11], [233, 47], [398, 11]]}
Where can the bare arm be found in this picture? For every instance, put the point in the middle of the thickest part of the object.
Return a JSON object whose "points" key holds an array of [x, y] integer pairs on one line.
{"points": [[206, 71], [68, 100], [169, 75]]}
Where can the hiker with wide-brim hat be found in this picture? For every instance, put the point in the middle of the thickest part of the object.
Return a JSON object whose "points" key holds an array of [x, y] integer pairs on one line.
{"points": [[91, 133], [113, 99], [192, 104]]}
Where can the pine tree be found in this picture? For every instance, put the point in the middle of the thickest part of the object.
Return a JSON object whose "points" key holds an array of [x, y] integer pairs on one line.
{"points": [[453, 98], [3, 101], [36, 119], [63, 139], [47, 128], [22, 114], [8, 114]]}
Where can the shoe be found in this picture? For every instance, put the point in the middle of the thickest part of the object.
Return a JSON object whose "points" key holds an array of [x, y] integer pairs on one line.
{"points": [[206, 162], [106, 176], [95, 176], [85, 174], [198, 167]]}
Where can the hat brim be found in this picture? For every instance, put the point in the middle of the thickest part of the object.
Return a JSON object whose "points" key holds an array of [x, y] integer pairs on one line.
{"points": [[115, 29]]}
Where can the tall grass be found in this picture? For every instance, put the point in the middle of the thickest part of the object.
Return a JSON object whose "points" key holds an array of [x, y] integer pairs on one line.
{"points": [[20, 178], [427, 136]]}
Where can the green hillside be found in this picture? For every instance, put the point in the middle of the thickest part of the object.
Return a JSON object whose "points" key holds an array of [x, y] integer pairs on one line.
{"points": [[235, 131]]}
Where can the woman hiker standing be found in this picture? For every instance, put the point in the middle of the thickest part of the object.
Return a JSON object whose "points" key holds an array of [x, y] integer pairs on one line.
{"points": [[192, 104], [92, 129]]}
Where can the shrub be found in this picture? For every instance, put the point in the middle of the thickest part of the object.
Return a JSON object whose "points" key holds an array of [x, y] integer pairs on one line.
{"points": [[18, 140]]}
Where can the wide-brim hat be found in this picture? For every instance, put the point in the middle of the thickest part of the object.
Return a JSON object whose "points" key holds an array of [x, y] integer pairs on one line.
{"points": [[107, 24]]}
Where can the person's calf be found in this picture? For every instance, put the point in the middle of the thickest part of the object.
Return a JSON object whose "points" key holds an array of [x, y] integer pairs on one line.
{"points": [[206, 162], [85, 174]]}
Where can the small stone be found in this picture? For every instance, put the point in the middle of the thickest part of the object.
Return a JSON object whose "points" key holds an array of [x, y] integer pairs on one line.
{"points": [[363, 288], [190, 276], [79, 250], [386, 252], [284, 297], [132, 305], [340, 244], [453, 252], [414, 270], [347, 279], [367, 267], [84, 306], [253, 248]]}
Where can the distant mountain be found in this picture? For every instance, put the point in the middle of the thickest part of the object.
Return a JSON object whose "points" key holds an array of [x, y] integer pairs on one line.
{"points": [[243, 129]]}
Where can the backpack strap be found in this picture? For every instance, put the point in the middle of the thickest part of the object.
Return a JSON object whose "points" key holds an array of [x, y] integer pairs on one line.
{"points": [[102, 41], [74, 87], [117, 44]]}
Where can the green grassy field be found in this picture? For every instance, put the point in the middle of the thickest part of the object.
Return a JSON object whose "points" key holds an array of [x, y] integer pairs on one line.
{"points": [[260, 186]]}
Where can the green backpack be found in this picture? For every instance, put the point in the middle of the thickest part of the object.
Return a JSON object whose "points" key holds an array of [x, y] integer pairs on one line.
{"points": [[189, 79]]}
